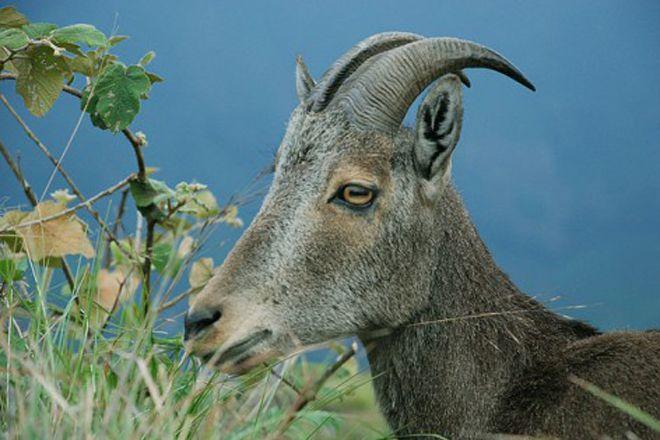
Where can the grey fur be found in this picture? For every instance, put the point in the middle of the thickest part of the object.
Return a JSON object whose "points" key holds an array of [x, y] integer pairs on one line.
{"points": [[465, 354]]}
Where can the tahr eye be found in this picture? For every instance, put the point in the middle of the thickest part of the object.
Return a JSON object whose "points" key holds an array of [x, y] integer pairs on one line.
{"points": [[356, 196]]}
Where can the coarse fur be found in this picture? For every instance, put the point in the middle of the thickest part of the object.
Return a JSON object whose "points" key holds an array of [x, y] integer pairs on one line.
{"points": [[465, 354]]}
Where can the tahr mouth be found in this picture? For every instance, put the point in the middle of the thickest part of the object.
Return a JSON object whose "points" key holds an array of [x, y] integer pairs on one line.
{"points": [[237, 357]]}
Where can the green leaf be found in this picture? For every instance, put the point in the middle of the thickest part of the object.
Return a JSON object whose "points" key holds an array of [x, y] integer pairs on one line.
{"points": [[79, 33], [147, 58], [10, 17], [153, 78], [101, 60], [11, 270], [13, 38], [165, 260], [81, 64], [73, 48], [120, 251], [149, 197], [90, 107], [116, 39], [37, 31], [118, 91], [150, 192], [41, 76]]}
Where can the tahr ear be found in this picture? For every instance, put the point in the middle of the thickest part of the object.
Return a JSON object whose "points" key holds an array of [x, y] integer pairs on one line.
{"points": [[438, 128], [304, 81]]}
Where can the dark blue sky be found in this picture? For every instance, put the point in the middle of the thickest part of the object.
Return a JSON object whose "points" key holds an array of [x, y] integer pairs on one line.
{"points": [[563, 184]]}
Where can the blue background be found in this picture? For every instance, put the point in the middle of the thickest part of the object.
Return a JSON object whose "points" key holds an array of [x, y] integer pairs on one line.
{"points": [[563, 184]]}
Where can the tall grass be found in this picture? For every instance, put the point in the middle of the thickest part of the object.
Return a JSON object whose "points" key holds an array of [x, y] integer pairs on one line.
{"points": [[65, 376]]}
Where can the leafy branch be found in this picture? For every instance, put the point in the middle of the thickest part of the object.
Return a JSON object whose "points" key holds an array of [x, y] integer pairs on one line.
{"points": [[44, 60], [136, 142], [103, 341], [106, 192]]}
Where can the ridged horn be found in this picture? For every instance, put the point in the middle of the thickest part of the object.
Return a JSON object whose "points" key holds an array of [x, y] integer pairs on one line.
{"points": [[379, 94], [352, 60]]}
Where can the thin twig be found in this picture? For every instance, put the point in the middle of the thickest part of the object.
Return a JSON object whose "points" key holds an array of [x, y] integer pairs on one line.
{"points": [[33, 201], [135, 142], [27, 189], [137, 149], [146, 267], [177, 299], [120, 211], [285, 381], [64, 174], [106, 192], [309, 394], [115, 226]]}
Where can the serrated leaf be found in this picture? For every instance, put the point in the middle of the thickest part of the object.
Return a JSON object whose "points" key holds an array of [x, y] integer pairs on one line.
{"points": [[37, 31], [41, 76], [116, 39], [118, 93], [64, 235], [201, 272], [10, 17], [13, 38], [147, 58], [79, 33]]}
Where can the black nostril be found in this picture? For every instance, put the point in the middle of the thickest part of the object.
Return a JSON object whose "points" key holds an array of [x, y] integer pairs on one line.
{"points": [[197, 321]]}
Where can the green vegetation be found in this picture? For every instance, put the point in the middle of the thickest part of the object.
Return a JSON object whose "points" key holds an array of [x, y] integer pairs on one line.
{"points": [[84, 353]]}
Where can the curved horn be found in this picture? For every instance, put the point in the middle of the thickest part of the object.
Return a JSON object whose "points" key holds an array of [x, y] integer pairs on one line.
{"points": [[351, 60], [378, 96]]}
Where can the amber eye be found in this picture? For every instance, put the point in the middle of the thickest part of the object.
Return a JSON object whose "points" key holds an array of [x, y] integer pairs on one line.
{"points": [[355, 195]]}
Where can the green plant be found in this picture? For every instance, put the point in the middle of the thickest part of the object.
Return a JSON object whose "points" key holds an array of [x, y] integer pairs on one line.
{"points": [[86, 356]]}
